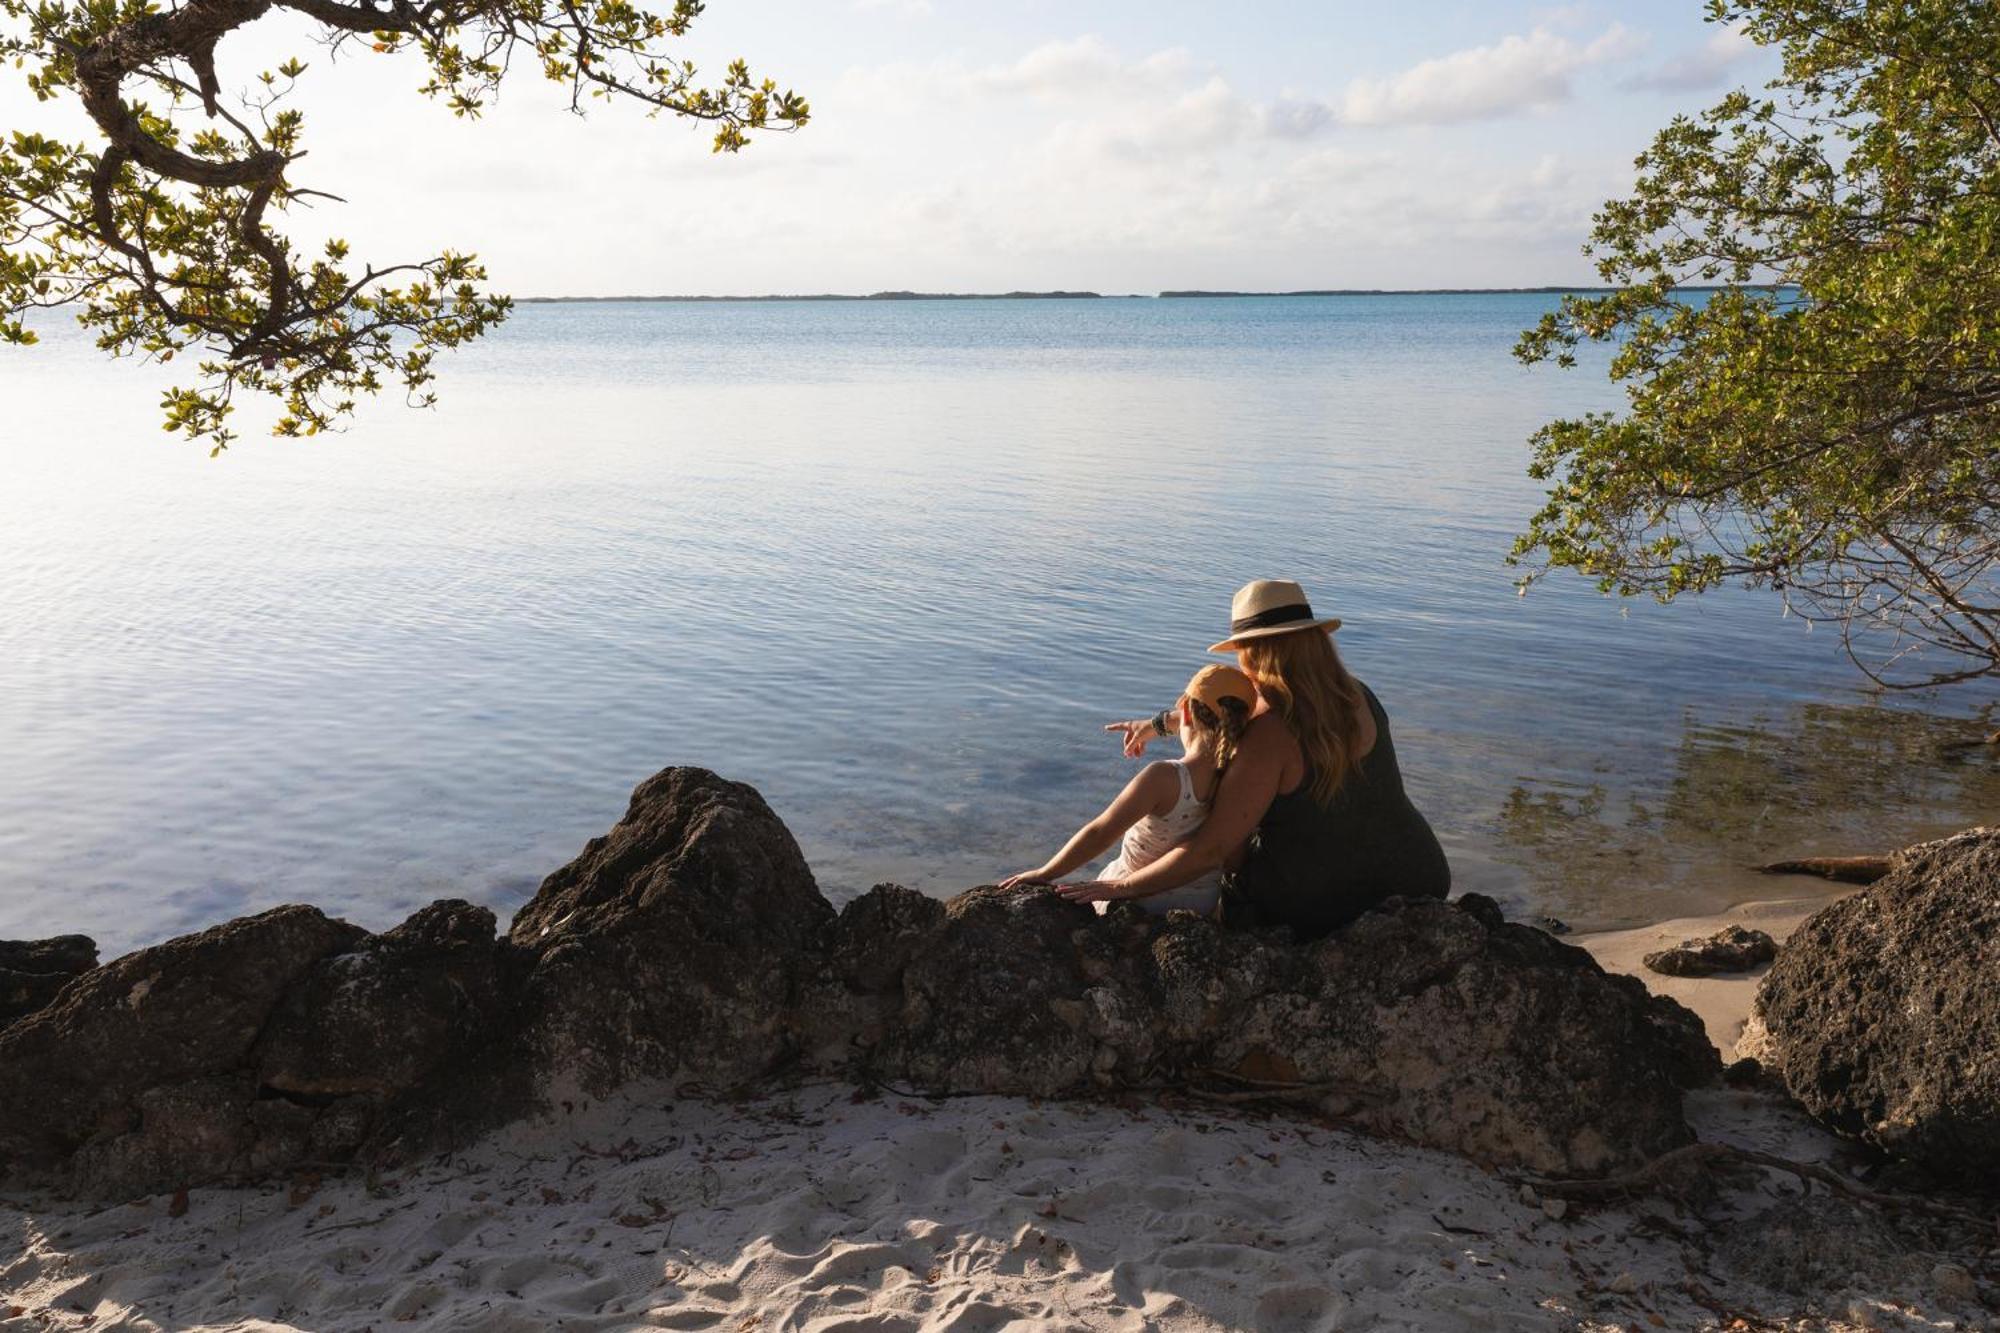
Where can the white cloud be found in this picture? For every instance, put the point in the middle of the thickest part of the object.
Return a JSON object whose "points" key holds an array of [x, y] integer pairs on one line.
{"points": [[913, 8], [1084, 66], [1084, 164], [1705, 66], [1514, 74]]}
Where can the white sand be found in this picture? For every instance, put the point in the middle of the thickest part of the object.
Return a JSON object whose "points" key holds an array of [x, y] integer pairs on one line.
{"points": [[1722, 1002], [810, 1211]]}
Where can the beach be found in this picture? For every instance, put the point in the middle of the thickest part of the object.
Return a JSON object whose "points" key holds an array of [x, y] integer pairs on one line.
{"points": [[818, 1206], [1594, 408], [813, 1210], [1723, 1001]]}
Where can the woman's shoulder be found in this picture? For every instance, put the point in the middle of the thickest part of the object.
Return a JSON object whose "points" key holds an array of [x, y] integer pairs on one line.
{"points": [[1268, 735]]}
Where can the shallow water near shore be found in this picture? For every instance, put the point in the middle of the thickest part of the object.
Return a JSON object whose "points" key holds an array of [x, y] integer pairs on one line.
{"points": [[893, 564]]}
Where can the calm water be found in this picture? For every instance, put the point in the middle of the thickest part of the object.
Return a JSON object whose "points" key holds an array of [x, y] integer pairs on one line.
{"points": [[891, 563]]}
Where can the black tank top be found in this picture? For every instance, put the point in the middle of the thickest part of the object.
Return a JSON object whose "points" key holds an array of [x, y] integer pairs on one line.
{"points": [[1315, 868]]}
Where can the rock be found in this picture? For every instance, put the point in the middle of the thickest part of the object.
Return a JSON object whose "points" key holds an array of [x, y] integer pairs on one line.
{"points": [[197, 1132], [673, 946], [1882, 1017], [184, 1010], [1745, 1072], [379, 1018], [66, 954], [1437, 1022], [996, 998], [33, 972], [690, 943], [854, 998], [1555, 1209], [878, 935], [1954, 1284], [1731, 949]]}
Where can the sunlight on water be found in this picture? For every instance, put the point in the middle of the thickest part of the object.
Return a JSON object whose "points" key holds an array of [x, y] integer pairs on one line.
{"points": [[892, 564]]}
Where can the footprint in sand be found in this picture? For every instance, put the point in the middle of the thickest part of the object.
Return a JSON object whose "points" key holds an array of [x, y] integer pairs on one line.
{"points": [[865, 1323], [588, 1298], [691, 1317], [977, 1315], [1208, 1255], [1298, 1309], [844, 1261], [413, 1300], [452, 1228]]}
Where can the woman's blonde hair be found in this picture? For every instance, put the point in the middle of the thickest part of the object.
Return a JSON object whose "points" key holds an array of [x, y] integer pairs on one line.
{"points": [[1300, 675]]}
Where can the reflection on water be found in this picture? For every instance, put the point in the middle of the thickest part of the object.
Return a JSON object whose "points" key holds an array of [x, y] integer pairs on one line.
{"points": [[1818, 779], [894, 564]]}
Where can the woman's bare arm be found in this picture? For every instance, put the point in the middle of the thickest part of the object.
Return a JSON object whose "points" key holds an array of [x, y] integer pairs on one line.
{"points": [[1247, 790]]}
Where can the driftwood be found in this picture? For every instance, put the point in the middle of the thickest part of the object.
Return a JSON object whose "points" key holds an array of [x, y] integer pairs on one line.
{"points": [[1845, 869], [1252, 1090]]}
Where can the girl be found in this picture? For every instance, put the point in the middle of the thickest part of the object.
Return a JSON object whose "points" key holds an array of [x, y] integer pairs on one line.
{"points": [[1168, 800]]}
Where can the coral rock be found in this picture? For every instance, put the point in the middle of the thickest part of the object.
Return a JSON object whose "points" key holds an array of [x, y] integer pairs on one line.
{"points": [[1439, 1022], [183, 1010], [33, 972], [379, 1018], [673, 944], [1882, 1016], [1731, 949]]}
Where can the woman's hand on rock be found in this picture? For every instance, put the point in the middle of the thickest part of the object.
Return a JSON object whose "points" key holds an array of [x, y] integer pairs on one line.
{"points": [[1135, 735], [1093, 890], [1025, 879]]}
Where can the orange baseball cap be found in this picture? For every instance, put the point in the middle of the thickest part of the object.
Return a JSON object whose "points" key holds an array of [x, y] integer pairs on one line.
{"points": [[1212, 684]]}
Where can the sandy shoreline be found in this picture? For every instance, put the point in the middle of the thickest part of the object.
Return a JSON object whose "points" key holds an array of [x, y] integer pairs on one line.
{"points": [[1721, 1002], [819, 1208]]}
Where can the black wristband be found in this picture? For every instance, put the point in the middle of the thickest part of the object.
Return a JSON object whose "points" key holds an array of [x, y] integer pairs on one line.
{"points": [[1160, 723]]}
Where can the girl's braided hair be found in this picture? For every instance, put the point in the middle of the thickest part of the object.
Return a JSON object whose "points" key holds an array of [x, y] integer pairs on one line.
{"points": [[1228, 725]]}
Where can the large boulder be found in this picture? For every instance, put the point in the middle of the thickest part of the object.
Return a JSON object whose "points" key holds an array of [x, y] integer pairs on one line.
{"points": [[673, 946], [32, 972], [184, 1010], [1882, 1014], [1438, 1022]]}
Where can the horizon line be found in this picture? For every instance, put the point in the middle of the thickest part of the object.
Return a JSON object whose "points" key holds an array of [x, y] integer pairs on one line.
{"points": [[1077, 295]]}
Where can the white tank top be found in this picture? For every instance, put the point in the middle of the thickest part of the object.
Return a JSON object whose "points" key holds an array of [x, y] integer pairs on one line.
{"points": [[1148, 840]]}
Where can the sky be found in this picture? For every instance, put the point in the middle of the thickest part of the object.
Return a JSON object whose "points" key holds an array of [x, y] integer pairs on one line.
{"points": [[1107, 145]]}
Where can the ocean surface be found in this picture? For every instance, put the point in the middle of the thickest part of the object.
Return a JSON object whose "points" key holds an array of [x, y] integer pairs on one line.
{"points": [[892, 563]]}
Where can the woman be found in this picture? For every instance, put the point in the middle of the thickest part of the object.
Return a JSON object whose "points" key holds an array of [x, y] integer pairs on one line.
{"points": [[1310, 823]]}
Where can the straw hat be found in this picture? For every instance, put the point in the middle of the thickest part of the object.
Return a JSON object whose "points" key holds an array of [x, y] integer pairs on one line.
{"points": [[1267, 607]]}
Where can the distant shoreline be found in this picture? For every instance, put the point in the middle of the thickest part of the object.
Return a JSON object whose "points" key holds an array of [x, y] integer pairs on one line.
{"points": [[1094, 296]]}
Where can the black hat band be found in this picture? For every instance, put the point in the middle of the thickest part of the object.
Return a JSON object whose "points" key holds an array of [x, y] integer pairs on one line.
{"points": [[1277, 615]]}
